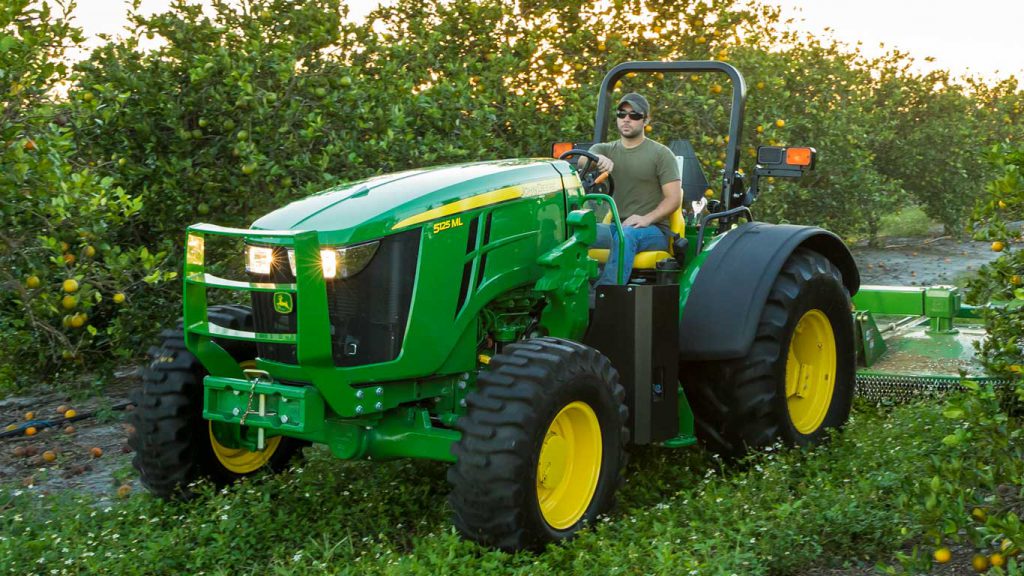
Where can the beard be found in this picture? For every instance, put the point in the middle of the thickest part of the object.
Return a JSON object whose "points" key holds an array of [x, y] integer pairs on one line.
{"points": [[631, 131]]}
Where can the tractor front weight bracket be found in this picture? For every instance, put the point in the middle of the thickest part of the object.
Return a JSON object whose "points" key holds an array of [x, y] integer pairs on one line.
{"points": [[300, 412]]}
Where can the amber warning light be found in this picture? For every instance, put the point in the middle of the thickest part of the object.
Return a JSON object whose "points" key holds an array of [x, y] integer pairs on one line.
{"points": [[799, 156], [559, 148]]}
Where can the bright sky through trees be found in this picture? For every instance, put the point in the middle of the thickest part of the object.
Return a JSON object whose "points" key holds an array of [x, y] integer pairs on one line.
{"points": [[981, 37]]}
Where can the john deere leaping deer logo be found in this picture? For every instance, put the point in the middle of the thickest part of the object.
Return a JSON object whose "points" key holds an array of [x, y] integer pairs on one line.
{"points": [[283, 302]]}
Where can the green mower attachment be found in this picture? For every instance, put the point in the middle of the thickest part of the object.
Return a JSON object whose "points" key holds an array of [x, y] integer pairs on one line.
{"points": [[916, 342]]}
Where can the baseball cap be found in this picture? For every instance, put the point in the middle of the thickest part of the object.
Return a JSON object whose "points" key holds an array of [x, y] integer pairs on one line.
{"points": [[638, 102]]}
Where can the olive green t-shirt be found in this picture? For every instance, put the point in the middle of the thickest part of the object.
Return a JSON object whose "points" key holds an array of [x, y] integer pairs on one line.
{"points": [[639, 173]]}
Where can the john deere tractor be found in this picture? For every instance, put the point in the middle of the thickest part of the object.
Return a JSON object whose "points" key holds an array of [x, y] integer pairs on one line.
{"points": [[443, 313]]}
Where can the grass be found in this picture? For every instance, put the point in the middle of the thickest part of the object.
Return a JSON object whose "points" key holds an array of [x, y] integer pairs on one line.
{"points": [[909, 222], [853, 502]]}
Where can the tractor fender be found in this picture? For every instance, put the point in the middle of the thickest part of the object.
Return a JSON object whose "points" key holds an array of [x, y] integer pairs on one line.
{"points": [[725, 303]]}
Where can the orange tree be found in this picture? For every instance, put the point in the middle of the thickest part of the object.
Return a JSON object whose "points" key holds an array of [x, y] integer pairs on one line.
{"points": [[260, 102], [67, 266]]}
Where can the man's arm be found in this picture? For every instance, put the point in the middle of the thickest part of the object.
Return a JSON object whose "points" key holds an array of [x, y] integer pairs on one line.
{"points": [[672, 199]]}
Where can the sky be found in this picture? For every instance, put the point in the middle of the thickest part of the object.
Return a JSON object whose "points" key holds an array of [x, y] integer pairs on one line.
{"points": [[980, 37]]}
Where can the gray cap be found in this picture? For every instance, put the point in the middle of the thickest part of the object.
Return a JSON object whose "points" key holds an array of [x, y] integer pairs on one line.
{"points": [[638, 102]]}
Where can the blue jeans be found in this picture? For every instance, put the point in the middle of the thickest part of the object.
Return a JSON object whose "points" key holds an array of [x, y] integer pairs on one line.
{"points": [[637, 240]]}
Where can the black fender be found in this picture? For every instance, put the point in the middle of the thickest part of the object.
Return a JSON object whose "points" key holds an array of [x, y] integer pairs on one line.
{"points": [[724, 306]]}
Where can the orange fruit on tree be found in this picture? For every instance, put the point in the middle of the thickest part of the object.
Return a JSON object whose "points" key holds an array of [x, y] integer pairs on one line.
{"points": [[780, 123], [30, 145], [69, 259], [760, 129], [69, 301], [70, 285], [942, 555], [32, 282], [648, 128], [997, 559], [78, 320], [89, 250], [1015, 279], [1002, 204], [118, 298]]}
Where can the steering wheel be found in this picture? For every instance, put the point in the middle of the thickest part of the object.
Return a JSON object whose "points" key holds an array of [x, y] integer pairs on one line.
{"points": [[594, 182]]}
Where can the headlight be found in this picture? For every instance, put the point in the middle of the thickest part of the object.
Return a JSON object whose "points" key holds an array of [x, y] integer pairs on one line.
{"points": [[259, 259], [342, 262]]}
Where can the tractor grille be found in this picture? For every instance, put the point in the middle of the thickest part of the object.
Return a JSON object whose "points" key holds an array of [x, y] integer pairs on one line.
{"points": [[368, 311], [898, 388]]}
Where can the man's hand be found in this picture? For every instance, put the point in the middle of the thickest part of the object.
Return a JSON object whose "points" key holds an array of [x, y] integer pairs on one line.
{"points": [[604, 163], [636, 221]]}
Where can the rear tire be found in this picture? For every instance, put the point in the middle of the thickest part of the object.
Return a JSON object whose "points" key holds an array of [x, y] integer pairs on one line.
{"points": [[797, 380], [542, 447], [172, 442]]}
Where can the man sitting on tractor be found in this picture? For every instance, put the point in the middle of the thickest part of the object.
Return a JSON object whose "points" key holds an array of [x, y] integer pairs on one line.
{"points": [[647, 187]]}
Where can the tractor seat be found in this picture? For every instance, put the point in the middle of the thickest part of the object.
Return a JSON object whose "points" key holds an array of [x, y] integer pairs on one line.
{"points": [[646, 260], [694, 184]]}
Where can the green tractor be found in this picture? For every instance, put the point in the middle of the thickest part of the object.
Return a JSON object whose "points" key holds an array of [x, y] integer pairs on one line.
{"points": [[443, 313]]}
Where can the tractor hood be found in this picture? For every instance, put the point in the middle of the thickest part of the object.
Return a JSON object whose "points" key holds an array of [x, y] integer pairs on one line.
{"points": [[382, 205]]}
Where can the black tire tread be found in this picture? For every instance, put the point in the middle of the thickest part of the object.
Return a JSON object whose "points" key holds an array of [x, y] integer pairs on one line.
{"points": [[494, 455], [735, 403], [167, 417]]}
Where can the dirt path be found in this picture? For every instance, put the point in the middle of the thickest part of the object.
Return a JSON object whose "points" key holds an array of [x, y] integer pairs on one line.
{"points": [[900, 261]]}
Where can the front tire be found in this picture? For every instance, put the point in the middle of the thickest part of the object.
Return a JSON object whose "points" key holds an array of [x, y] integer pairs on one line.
{"points": [[797, 380], [172, 442], [542, 447]]}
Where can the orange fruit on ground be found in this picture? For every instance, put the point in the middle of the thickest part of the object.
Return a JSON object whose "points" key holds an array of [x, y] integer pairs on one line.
{"points": [[716, 88], [998, 246], [10, 427], [979, 514], [30, 415], [49, 455], [69, 429], [32, 282], [30, 145], [96, 451], [1002, 204], [124, 490], [979, 563], [70, 285], [70, 413], [20, 452], [30, 431], [1015, 279], [780, 123], [997, 559], [760, 85], [942, 555], [62, 409]]}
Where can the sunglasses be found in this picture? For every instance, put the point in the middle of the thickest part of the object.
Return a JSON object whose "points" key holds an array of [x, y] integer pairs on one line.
{"points": [[632, 115]]}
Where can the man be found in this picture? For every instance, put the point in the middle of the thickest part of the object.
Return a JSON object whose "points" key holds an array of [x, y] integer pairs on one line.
{"points": [[647, 188]]}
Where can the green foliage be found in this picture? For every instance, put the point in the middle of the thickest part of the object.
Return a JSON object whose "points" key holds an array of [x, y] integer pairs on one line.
{"points": [[225, 114], [63, 219], [908, 477], [908, 222]]}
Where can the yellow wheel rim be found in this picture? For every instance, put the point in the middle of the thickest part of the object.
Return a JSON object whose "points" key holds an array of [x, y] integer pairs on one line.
{"points": [[569, 465], [240, 460], [810, 371]]}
